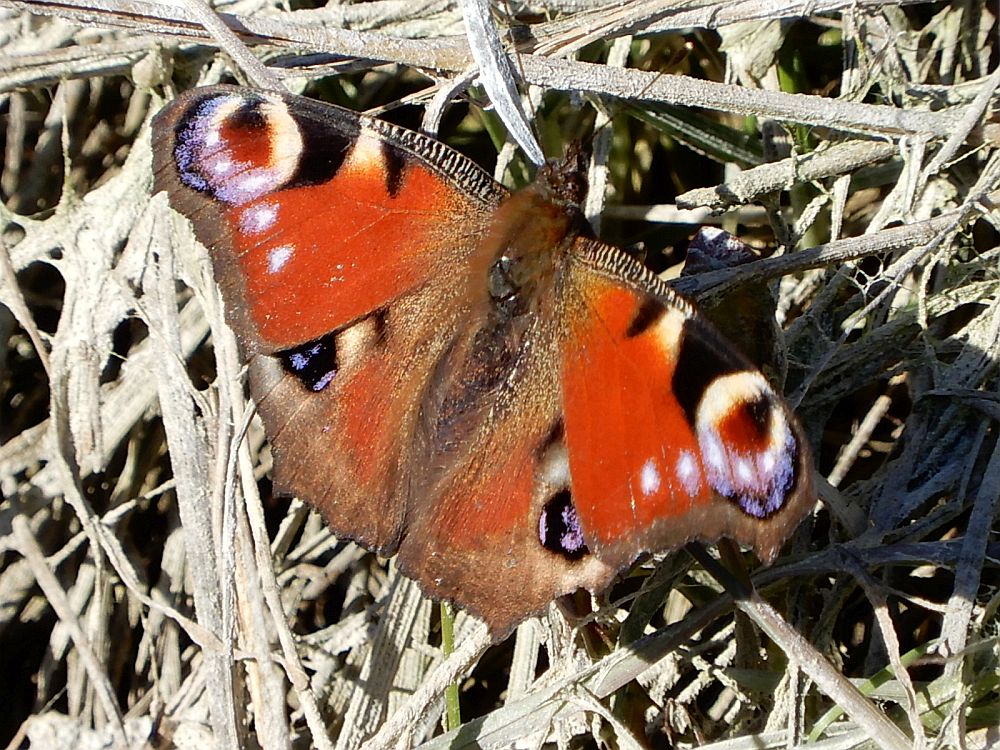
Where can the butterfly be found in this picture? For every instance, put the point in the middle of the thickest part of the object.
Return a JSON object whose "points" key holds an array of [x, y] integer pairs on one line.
{"points": [[464, 376]]}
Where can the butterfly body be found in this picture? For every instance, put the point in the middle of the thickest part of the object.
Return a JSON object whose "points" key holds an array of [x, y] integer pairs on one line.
{"points": [[465, 376]]}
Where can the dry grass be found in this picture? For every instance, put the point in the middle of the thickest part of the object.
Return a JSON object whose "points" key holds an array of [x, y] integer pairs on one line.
{"points": [[153, 593]]}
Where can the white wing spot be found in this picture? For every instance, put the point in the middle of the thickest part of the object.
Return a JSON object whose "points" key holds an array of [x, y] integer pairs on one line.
{"points": [[253, 183], [259, 218], [687, 472], [277, 257], [222, 166], [649, 478], [744, 472]]}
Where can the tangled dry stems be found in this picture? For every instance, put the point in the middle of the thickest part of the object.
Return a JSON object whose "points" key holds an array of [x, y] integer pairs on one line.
{"points": [[150, 593]]}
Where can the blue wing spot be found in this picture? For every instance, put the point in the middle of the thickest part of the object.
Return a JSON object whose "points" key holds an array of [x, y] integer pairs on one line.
{"points": [[314, 363], [559, 527]]}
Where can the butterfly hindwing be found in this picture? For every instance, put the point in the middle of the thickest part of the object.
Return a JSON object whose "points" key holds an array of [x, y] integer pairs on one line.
{"points": [[341, 447]]}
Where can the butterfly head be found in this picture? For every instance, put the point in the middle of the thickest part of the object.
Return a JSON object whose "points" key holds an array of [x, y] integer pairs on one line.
{"points": [[565, 180]]}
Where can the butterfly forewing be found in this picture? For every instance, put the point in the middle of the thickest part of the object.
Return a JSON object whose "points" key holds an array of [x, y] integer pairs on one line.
{"points": [[672, 434], [315, 215]]}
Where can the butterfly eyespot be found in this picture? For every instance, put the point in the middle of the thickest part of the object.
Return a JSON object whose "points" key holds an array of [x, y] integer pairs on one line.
{"points": [[314, 364], [559, 527], [236, 148], [749, 449]]}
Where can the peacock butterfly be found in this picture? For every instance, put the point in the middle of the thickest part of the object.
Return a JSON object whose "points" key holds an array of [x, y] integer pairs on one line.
{"points": [[464, 376]]}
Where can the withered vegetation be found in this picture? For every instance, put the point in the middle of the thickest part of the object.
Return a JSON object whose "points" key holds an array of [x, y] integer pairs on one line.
{"points": [[153, 592]]}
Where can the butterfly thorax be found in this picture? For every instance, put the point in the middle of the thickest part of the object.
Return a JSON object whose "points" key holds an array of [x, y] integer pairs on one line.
{"points": [[521, 259], [529, 238]]}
